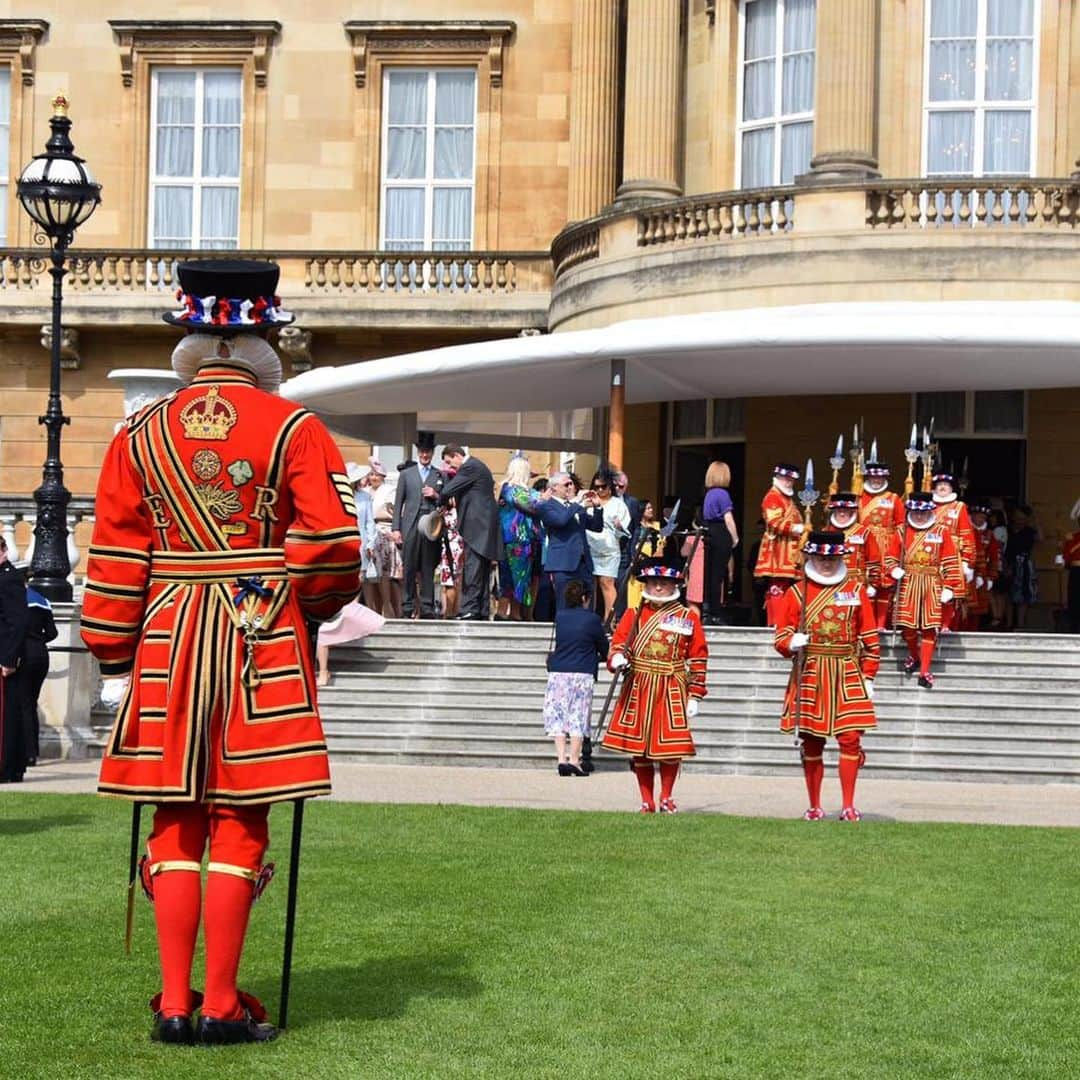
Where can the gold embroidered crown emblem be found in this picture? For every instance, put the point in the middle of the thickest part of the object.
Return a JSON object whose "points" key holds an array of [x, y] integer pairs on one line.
{"points": [[208, 417]]}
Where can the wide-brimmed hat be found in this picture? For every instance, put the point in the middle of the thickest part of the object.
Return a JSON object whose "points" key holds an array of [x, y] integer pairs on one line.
{"points": [[355, 473], [228, 297]]}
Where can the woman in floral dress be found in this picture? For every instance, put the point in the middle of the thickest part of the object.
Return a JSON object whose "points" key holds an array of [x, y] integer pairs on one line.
{"points": [[521, 538]]}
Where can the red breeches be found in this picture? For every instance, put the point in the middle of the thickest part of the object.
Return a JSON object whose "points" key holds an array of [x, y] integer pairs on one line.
{"points": [[237, 839], [882, 605]]}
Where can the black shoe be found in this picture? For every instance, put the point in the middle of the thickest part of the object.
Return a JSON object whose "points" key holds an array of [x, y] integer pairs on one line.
{"points": [[213, 1032], [926, 682], [465, 615], [173, 1029], [576, 770], [566, 769]]}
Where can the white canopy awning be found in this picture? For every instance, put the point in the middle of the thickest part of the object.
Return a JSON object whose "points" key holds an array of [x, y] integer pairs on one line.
{"points": [[818, 348]]}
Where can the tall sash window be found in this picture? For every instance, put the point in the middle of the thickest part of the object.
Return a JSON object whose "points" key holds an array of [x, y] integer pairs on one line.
{"points": [[429, 159], [981, 78], [776, 91], [195, 127]]}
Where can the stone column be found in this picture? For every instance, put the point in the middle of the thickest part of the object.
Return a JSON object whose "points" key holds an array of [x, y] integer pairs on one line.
{"points": [[845, 144], [651, 117], [593, 87]]}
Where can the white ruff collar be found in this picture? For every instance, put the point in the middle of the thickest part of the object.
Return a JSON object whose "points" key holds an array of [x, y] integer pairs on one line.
{"points": [[832, 579], [844, 528], [876, 491], [659, 601], [919, 528], [942, 500]]}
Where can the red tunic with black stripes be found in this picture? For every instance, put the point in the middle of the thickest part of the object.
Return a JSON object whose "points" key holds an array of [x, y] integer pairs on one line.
{"points": [[842, 653], [668, 658], [930, 563], [224, 521], [779, 551]]}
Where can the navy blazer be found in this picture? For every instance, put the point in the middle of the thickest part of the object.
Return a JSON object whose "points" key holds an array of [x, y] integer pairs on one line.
{"points": [[566, 525], [580, 642]]}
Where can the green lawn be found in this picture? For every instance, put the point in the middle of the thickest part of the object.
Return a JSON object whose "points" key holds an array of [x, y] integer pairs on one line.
{"points": [[452, 942]]}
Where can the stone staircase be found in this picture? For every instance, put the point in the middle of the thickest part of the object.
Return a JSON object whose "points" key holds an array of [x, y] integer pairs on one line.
{"points": [[1006, 706]]}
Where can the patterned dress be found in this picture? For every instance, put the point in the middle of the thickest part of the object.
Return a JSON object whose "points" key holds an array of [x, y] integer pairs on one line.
{"points": [[842, 653], [668, 660], [521, 539]]}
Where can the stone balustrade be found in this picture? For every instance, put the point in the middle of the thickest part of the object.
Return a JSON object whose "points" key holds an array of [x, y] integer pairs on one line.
{"points": [[302, 273], [711, 217], [986, 203]]}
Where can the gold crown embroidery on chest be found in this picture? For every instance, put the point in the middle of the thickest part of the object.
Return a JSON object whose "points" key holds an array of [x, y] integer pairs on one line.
{"points": [[209, 416]]}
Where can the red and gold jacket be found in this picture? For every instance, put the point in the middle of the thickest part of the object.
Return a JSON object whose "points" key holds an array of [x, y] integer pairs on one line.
{"points": [[843, 651], [867, 562], [224, 520], [954, 515], [1070, 552], [668, 658], [987, 569], [777, 556], [884, 513], [930, 563]]}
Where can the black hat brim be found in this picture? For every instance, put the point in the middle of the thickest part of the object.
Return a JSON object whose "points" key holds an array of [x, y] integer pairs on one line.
{"points": [[225, 331]]}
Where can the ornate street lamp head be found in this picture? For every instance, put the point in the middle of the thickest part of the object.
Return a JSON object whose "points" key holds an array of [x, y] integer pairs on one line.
{"points": [[56, 188]]}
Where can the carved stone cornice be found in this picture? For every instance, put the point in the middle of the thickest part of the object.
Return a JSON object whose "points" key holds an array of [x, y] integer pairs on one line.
{"points": [[21, 36], [236, 38], [412, 36]]}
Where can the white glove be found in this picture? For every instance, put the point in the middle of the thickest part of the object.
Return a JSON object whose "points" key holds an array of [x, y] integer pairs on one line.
{"points": [[871, 591], [896, 573], [618, 661], [797, 530], [798, 641], [869, 684], [969, 572], [1059, 560], [946, 595], [113, 691], [692, 708], [979, 582]]}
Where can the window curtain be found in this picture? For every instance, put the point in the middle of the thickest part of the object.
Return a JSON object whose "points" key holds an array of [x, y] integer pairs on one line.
{"points": [[1010, 49], [221, 124], [406, 142], [455, 104], [757, 157], [796, 149], [759, 68], [950, 143], [175, 124], [1007, 146], [799, 23]]}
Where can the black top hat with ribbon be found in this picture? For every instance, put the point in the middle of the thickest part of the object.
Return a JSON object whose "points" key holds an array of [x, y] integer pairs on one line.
{"points": [[425, 440], [784, 469], [918, 503], [228, 297]]}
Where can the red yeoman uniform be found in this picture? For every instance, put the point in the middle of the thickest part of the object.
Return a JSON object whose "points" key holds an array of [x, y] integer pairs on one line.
{"points": [[987, 566], [883, 514], [930, 564], [778, 555], [953, 514], [665, 651], [831, 696], [224, 520]]}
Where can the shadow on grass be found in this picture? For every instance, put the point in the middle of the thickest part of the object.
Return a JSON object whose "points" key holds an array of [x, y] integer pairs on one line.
{"points": [[381, 989], [21, 826]]}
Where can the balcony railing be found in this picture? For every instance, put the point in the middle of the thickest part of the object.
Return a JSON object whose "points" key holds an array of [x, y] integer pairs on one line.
{"points": [[345, 273], [1003, 202]]}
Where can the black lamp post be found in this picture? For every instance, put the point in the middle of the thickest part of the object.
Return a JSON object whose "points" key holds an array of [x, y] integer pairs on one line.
{"points": [[58, 192]]}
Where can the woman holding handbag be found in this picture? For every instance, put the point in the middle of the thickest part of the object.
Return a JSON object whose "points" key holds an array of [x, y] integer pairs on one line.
{"points": [[580, 644]]}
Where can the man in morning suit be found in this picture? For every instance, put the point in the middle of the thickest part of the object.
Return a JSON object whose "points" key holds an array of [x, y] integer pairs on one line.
{"points": [[473, 487], [420, 555]]}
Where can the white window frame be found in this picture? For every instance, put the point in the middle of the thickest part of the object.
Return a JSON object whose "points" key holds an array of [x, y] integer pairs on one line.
{"points": [[429, 183], [5, 178], [968, 431], [979, 104], [196, 181], [778, 119]]}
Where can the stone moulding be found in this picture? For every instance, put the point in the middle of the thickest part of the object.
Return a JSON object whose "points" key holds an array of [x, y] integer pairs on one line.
{"points": [[241, 37], [408, 36], [20, 37]]}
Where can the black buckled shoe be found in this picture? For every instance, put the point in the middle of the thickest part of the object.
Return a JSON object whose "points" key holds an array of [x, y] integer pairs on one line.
{"points": [[254, 1027], [177, 1029]]}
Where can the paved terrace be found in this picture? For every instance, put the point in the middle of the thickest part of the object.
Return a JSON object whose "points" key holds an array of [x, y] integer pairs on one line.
{"points": [[750, 796]]}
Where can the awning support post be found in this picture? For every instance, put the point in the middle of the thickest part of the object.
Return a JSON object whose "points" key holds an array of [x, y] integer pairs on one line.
{"points": [[617, 413]]}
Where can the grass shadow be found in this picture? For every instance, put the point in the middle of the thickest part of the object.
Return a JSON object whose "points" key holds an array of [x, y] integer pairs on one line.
{"points": [[23, 826], [380, 989]]}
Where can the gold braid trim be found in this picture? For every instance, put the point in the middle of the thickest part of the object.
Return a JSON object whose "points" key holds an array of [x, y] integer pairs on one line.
{"points": [[173, 864], [228, 868]]}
